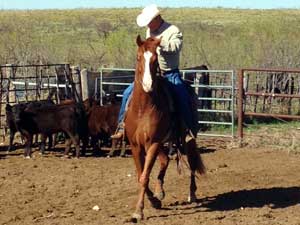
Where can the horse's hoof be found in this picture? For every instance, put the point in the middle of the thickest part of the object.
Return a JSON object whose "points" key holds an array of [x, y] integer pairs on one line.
{"points": [[136, 217], [156, 203], [27, 157], [160, 196], [192, 198]]}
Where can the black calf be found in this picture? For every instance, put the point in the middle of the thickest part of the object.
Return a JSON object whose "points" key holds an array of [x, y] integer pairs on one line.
{"points": [[49, 119], [11, 119]]}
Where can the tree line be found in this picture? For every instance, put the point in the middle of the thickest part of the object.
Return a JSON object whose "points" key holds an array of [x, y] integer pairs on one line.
{"points": [[92, 38]]}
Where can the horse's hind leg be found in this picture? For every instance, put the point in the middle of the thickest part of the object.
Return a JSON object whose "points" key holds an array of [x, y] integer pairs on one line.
{"points": [[164, 162], [196, 165]]}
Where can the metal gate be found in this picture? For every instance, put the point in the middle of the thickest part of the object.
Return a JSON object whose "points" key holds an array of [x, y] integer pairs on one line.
{"points": [[216, 92], [25, 83], [215, 95], [268, 93]]}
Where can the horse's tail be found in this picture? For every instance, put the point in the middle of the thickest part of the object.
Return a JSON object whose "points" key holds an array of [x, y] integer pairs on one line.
{"points": [[194, 159], [195, 162]]}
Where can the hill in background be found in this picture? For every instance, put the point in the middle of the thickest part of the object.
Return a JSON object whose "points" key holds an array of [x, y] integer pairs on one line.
{"points": [[220, 38]]}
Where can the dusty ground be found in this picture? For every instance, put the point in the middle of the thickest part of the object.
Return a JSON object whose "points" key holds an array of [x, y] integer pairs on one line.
{"points": [[242, 186]]}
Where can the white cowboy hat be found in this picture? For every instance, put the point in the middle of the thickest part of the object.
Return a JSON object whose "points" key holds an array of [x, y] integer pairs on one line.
{"points": [[148, 14]]}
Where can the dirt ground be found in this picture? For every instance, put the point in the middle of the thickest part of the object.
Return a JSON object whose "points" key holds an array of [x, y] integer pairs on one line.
{"points": [[242, 186]]}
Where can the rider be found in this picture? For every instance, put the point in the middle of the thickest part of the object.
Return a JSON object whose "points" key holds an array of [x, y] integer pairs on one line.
{"points": [[168, 59]]}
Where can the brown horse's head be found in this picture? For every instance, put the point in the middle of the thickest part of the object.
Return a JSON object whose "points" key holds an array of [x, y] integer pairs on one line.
{"points": [[147, 63]]}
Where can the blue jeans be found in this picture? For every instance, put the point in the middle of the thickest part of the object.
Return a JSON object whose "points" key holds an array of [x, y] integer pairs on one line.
{"points": [[180, 92], [126, 94]]}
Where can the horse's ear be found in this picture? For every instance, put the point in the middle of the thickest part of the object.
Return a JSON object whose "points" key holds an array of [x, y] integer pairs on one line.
{"points": [[139, 41]]}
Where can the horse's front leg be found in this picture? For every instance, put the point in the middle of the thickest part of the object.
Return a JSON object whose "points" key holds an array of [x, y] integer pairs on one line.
{"points": [[138, 155], [151, 155], [164, 162], [144, 166]]}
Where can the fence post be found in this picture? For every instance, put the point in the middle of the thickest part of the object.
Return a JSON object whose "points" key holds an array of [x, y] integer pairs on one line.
{"points": [[76, 79], [11, 88], [84, 84], [240, 104], [1, 91]]}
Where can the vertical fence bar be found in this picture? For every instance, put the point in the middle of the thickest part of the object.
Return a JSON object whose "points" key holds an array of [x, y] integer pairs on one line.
{"points": [[101, 88], [1, 90], [48, 82], [232, 102], [183, 75], [96, 89], [240, 103], [57, 88]]}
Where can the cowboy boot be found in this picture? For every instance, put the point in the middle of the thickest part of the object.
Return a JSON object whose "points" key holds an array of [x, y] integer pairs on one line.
{"points": [[119, 132]]}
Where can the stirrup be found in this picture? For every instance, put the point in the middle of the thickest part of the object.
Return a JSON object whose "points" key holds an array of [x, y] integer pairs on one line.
{"points": [[189, 136], [118, 135], [119, 132]]}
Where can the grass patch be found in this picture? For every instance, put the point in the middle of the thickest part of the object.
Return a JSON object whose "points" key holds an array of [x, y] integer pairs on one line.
{"points": [[277, 135]]}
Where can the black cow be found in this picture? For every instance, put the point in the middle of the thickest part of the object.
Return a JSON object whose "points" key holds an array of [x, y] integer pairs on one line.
{"points": [[11, 123], [50, 119]]}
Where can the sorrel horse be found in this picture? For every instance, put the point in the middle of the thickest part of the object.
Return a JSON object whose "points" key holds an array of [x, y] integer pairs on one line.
{"points": [[148, 125]]}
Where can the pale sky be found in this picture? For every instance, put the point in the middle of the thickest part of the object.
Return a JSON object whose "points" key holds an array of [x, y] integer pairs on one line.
{"points": [[73, 4]]}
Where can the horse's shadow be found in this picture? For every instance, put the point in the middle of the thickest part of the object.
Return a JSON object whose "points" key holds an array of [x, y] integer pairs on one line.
{"points": [[203, 150], [276, 197], [3, 152]]}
